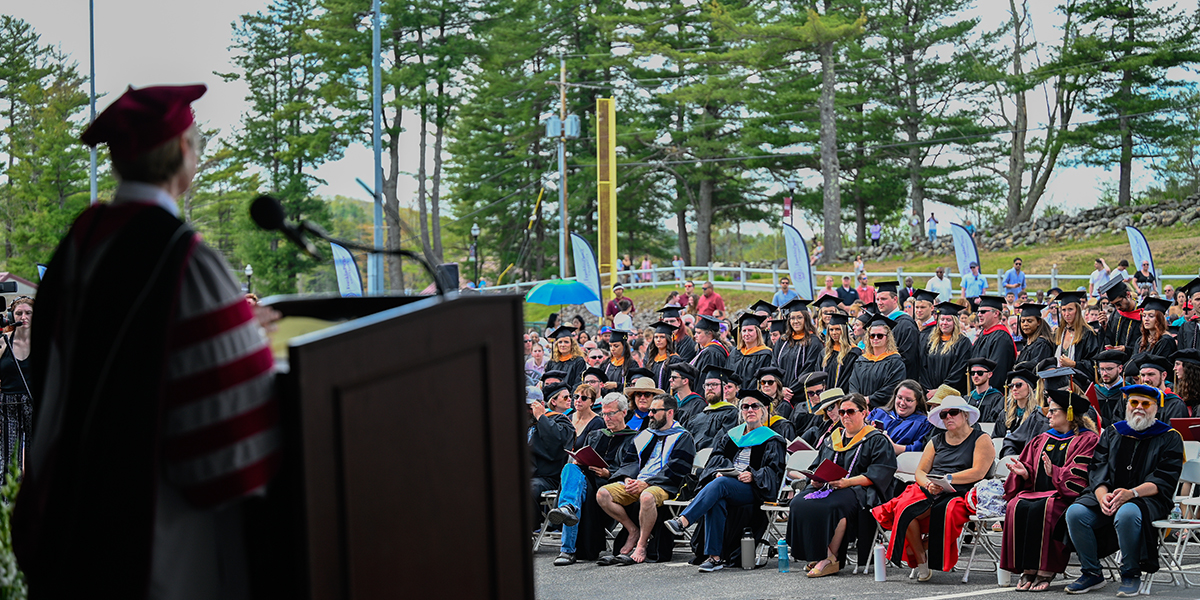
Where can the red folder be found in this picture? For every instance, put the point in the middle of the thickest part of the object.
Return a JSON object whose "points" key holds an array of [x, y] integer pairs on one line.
{"points": [[588, 457], [827, 471]]}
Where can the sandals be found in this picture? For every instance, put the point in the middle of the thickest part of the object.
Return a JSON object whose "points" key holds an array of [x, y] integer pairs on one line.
{"points": [[623, 560], [1026, 582], [829, 569], [1041, 580]]}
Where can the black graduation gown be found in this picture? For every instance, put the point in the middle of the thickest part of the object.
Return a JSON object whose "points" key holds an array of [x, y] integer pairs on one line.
{"points": [[876, 379], [1039, 350], [767, 462], [688, 407], [686, 348], [1123, 331], [710, 424], [803, 420], [996, 346], [783, 427], [1173, 408], [818, 432], [1156, 458], [678, 466], [1164, 347], [593, 521], [549, 440], [746, 365], [949, 368], [838, 372], [908, 338], [660, 370], [616, 373], [713, 354], [989, 403], [574, 369], [1189, 335], [1112, 403], [797, 358], [1090, 344]]}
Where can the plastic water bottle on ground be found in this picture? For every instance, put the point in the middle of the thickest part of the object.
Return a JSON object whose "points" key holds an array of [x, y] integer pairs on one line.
{"points": [[784, 566]]}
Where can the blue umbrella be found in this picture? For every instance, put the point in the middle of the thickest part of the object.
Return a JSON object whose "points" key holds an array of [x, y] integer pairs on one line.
{"points": [[561, 291]]}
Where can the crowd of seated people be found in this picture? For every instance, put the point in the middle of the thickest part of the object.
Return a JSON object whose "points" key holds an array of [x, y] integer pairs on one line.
{"points": [[1084, 432]]}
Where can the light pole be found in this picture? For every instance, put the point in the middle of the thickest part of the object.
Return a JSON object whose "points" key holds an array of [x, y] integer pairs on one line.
{"points": [[791, 202], [475, 245], [249, 271]]}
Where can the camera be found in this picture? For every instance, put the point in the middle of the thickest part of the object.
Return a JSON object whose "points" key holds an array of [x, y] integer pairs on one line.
{"points": [[6, 319]]}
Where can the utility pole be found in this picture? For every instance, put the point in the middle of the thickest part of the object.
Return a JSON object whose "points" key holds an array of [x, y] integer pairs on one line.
{"points": [[92, 81], [562, 127], [375, 262]]}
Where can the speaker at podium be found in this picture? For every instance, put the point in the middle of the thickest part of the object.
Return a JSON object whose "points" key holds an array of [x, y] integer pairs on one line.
{"points": [[406, 466]]}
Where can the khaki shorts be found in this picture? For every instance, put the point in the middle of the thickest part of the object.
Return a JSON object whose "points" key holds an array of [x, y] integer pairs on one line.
{"points": [[620, 496]]}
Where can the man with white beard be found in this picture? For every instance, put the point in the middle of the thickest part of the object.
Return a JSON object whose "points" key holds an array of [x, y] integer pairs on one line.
{"points": [[1132, 479]]}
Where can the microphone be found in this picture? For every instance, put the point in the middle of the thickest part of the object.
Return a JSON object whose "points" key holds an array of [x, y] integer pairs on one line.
{"points": [[268, 214]]}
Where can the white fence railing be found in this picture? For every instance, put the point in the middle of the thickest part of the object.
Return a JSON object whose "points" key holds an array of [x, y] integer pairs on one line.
{"points": [[741, 278]]}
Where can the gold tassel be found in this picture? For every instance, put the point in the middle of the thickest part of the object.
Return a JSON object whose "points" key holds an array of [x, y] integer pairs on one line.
{"points": [[1070, 413]]}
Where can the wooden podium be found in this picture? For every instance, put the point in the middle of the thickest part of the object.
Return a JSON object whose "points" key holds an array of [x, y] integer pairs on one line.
{"points": [[407, 465]]}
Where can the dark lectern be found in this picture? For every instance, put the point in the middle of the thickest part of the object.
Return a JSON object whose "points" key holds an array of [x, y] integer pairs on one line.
{"points": [[407, 465]]}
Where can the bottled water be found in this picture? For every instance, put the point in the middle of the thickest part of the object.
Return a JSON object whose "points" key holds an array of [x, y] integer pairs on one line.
{"points": [[783, 556]]}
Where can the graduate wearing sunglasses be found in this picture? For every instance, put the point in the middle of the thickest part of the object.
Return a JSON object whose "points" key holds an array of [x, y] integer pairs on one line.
{"points": [[880, 367], [824, 516], [1131, 484], [964, 455], [744, 470]]}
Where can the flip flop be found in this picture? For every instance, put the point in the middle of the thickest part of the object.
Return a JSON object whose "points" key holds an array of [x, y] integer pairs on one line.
{"points": [[1039, 581], [1025, 582], [607, 561]]}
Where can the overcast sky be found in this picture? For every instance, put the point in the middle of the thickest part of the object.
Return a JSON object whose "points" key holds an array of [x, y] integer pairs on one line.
{"points": [[143, 42]]}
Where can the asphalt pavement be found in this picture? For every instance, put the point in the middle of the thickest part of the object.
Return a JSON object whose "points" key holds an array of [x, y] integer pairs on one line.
{"points": [[677, 579]]}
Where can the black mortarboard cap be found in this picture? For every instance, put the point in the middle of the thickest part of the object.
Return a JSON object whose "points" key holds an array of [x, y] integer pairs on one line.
{"points": [[718, 373], [1187, 355], [617, 335], [779, 325], [748, 318], [553, 375], [669, 312], [880, 320], [1154, 361], [1132, 369], [794, 305], [870, 307], [664, 328], [764, 371], [1057, 378], [549, 391], [828, 302], [993, 302], [762, 305], [925, 296], [1079, 405], [1025, 374], [757, 395], [1191, 287], [1069, 297], [887, 286], [814, 378], [562, 332], [1114, 288], [708, 323], [598, 372], [982, 362], [949, 308], [839, 318], [1158, 304], [1031, 309], [1111, 356], [636, 373]]}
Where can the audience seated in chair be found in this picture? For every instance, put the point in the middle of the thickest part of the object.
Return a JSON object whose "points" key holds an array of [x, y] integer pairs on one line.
{"points": [[1131, 484], [550, 436], [905, 419]]}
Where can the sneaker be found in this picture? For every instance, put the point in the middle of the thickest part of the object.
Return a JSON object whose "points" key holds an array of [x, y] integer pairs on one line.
{"points": [[1086, 583], [564, 559], [1129, 587], [564, 515], [675, 526], [711, 565]]}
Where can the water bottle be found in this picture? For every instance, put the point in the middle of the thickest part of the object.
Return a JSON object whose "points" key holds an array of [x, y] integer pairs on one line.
{"points": [[880, 563], [747, 550], [1176, 515], [782, 550]]}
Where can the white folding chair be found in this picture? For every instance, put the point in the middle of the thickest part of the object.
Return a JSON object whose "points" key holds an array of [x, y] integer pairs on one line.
{"points": [[1187, 532], [999, 445], [1191, 450], [906, 466], [801, 459], [677, 506], [987, 428], [549, 502]]}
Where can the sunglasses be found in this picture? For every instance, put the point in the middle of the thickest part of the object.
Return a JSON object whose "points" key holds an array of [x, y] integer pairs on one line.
{"points": [[812, 393], [768, 382], [1046, 410], [978, 373], [656, 410], [1018, 385], [596, 356], [752, 406], [878, 336], [847, 411], [1143, 404], [950, 412]]}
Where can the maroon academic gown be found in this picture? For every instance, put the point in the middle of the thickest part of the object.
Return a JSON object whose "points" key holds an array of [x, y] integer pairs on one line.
{"points": [[1069, 480]]}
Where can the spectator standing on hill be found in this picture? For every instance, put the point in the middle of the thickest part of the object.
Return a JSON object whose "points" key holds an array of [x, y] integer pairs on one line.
{"points": [[1121, 271], [677, 263], [876, 232], [914, 222], [846, 294], [974, 284], [941, 285], [931, 225], [1014, 279], [710, 302], [1144, 278], [786, 293], [970, 227], [1098, 279], [866, 293]]}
